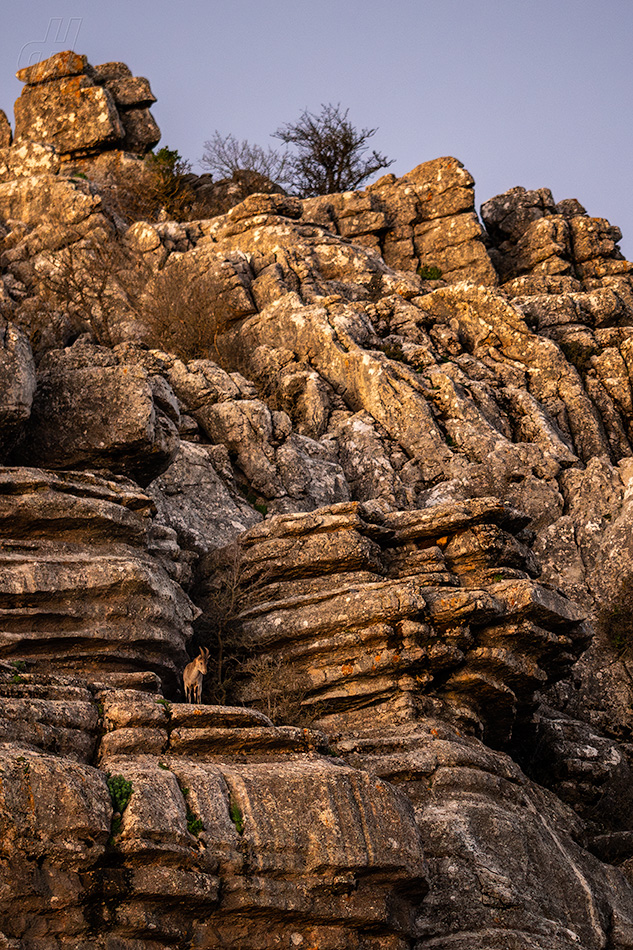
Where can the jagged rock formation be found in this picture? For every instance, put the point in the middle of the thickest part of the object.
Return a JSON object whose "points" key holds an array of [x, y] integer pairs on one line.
{"points": [[421, 488], [423, 611], [81, 109]]}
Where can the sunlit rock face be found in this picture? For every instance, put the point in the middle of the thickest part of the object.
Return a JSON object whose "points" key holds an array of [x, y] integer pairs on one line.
{"points": [[81, 109], [378, 457]]}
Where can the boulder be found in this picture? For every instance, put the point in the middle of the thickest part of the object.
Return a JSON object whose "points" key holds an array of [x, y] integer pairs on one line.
{"points": [[92, 412], [72, 114], [82, 110]]}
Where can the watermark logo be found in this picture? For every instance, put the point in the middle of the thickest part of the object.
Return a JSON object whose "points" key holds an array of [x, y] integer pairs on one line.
{"points": [[61, 34]]}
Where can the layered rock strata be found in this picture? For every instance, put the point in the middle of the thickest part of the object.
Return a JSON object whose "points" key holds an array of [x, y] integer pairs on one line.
{"points": [[253, 828], [388, 363], [432, 611], [85, 583]]}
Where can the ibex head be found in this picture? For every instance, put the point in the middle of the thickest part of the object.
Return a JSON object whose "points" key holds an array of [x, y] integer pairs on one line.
{"points": [[202, 660]]}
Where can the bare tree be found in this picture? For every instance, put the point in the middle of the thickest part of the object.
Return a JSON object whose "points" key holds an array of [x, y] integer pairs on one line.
{"points": [[225, 155], [324, 154], [329, 154]]}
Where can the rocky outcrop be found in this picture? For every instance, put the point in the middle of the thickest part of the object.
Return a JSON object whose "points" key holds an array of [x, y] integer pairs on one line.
{"points": [[425, 219], [254, 828], [80, 109], [86, 584], [535, 239], [92, 411], [432, 611], [506, 862], [385, 476]]}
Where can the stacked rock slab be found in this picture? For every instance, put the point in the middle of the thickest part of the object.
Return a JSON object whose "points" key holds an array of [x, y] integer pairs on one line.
{"points": [[369, 408], [80, 588], [534, 238], [81, 110], [426, 219], [236, 833], [432, 611]]}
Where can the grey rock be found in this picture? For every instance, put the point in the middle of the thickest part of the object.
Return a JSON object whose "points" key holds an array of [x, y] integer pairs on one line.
{"points": [[193, 499], [17, 384], [87, 415]]}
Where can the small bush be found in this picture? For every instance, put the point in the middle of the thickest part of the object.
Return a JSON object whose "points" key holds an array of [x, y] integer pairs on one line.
{"points": [[151, 190], [429, 272], [101, 283], [236, 816], [194, 824], [252, 499], [276, 689], [120, 791], [181, 312], [394, 352]]}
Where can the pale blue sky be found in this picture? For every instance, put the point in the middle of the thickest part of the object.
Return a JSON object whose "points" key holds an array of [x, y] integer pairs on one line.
{"points": [[523, 93]]}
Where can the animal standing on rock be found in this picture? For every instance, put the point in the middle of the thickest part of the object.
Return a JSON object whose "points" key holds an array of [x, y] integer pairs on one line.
{"points": [[193, 674]]}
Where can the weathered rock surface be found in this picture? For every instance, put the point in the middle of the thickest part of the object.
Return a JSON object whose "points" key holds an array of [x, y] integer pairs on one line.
{"points": [[80, 589], [81, 109], [6, 135], [204, 825], [423, 611], [17, 383], [421, 488], [506, 866], [90, 411]]}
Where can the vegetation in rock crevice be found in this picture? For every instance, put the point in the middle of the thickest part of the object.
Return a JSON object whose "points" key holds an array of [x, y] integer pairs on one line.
{"points": [[615, 619], [120, 793], [236, 816]]}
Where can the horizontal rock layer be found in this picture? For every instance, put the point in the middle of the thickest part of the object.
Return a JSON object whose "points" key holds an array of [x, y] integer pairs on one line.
{"points": [[382, 616], [79, 589], [261, 835]]}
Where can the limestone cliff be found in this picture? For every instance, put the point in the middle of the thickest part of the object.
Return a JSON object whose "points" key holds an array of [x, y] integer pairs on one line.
{"points": [[395, 504]]}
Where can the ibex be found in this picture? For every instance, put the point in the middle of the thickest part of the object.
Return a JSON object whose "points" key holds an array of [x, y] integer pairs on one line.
{"points": [[192, 676]]}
